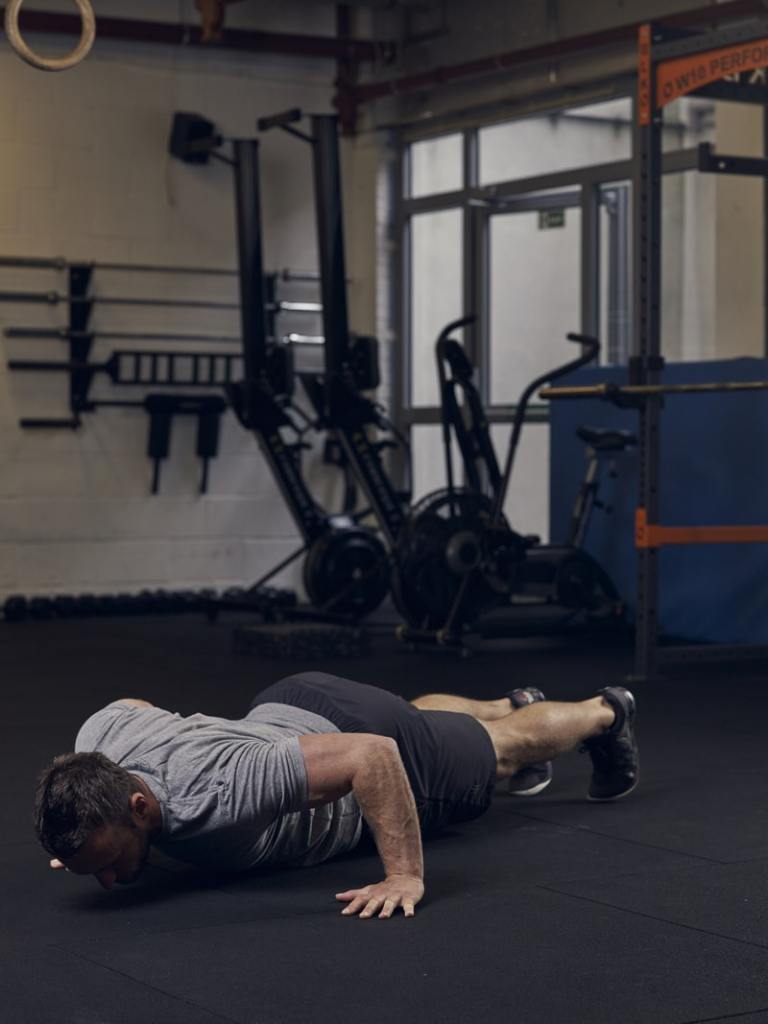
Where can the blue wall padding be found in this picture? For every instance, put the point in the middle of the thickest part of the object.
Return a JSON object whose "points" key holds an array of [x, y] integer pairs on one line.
{"points": [[714, 472]]}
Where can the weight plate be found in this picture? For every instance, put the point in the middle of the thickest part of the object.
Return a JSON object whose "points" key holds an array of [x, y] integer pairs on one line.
{"points": [[347, 572]]}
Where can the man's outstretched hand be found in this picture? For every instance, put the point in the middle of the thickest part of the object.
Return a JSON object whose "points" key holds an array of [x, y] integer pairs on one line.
{"points": [[384, 898]]}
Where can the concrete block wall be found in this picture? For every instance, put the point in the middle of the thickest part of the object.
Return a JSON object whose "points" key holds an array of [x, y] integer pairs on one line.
{"points": [[739, 255], [84, 174]]}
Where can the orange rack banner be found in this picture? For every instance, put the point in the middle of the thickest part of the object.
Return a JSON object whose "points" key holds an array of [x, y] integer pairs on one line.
{"points": [[652, 535], [675, 78]]}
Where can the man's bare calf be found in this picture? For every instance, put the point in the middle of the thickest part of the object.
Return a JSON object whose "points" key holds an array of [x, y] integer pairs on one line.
{"points": [[537, 732]]}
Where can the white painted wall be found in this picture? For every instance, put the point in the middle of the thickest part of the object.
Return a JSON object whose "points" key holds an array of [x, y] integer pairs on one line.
{"points": [[739, 235], [84, 174]]}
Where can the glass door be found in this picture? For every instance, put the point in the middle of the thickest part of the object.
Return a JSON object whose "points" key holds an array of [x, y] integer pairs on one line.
{"points": [[533, 256], [551, 264]]}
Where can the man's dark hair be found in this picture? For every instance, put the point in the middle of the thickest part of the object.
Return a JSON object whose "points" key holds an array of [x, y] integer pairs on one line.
{"points": [[76, 794]]}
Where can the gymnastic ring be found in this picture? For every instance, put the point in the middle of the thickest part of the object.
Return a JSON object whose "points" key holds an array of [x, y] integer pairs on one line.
{"points": [[80, 52]]}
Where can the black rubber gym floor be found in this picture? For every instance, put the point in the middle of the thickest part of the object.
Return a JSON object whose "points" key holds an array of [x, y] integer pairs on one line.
{"points": [[549, 909]]}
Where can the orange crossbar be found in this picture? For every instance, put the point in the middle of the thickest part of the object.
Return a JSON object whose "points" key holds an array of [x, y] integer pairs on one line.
{"points": [[675, 78], [678, 76], [652, 535]]}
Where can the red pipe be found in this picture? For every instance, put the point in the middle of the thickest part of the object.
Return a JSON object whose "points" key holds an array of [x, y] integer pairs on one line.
{"points": [[553, 51], [169, 34]]}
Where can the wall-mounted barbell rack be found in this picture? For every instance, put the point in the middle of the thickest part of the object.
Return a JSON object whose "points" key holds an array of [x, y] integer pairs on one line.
{"points": [[138, 367]]}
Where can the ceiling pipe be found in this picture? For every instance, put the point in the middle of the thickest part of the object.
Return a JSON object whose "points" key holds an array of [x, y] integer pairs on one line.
{"points": [[170, 34], [622, 35]]}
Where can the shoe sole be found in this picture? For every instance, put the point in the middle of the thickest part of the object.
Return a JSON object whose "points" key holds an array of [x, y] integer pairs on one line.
{"points": [[610, 799], [633, 787], [530, 792]]}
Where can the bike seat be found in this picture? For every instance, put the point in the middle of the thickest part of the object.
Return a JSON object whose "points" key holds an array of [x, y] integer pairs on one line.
{"points": [[607, 440]]}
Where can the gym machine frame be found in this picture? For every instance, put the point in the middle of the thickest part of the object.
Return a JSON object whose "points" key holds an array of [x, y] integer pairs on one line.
{"points": [[346, 566], [347, 410], [667, 69], [351, 414]]}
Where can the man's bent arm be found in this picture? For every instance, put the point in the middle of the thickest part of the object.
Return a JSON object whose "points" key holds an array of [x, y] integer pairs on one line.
{"points": [[370, 767], [382, 790]]}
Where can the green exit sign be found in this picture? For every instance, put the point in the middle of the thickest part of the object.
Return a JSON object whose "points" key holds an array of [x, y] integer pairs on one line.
{"points": [[551, 219]]}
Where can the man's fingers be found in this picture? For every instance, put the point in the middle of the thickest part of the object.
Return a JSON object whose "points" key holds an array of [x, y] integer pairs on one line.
{"points": [[382, 900], [388, 909], [357, 904], [371, 907], [350, 894], [57, 865]]}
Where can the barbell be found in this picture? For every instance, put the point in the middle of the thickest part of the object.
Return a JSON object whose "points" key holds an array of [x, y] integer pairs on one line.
{"points": [[615, 392]]}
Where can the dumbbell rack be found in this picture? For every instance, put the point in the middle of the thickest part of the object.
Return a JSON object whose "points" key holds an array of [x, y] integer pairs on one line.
{"points": [[18, 608]]}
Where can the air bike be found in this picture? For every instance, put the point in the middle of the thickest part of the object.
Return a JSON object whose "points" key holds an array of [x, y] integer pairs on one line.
{"points": [[346, 565], [461, 568]]}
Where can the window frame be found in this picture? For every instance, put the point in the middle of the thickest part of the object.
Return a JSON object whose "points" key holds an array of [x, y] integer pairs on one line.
{"points": [[477, 203]]}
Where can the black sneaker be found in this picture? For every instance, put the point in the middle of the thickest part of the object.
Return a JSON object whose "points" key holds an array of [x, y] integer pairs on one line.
{"points": [[531, 779], [615, 760]]}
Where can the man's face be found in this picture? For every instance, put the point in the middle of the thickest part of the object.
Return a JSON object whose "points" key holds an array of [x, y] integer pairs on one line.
{"points": [[112, 853]]}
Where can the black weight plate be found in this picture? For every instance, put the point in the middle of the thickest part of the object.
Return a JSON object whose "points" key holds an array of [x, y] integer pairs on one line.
{"points": [[347, 572]]}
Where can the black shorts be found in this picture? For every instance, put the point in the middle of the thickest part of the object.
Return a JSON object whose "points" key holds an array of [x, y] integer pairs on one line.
{"points": [[448, 756]]}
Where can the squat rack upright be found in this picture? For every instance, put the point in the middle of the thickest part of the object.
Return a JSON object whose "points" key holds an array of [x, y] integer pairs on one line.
{"points": [[669, 68]]}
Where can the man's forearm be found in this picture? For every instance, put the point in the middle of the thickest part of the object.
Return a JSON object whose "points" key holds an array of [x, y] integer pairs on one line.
{"points": [[382, 790]]}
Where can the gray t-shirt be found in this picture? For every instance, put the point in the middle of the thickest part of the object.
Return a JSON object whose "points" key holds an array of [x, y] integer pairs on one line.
{"points": [[233, 793]]}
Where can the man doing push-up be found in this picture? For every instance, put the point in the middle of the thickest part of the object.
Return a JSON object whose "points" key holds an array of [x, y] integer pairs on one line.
{"points": [[316, 765]]}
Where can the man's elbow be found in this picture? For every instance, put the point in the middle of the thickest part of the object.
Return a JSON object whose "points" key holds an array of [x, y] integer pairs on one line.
{"points": [[377, 751], [385, 744]]}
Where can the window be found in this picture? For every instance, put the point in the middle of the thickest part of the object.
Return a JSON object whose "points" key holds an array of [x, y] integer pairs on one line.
{"points": [[437, 165], [437, 294], [562, 141], [534, 294]]}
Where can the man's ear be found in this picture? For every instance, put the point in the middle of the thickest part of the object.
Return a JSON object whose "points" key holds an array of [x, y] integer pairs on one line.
{"points": [[139, 805]]}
